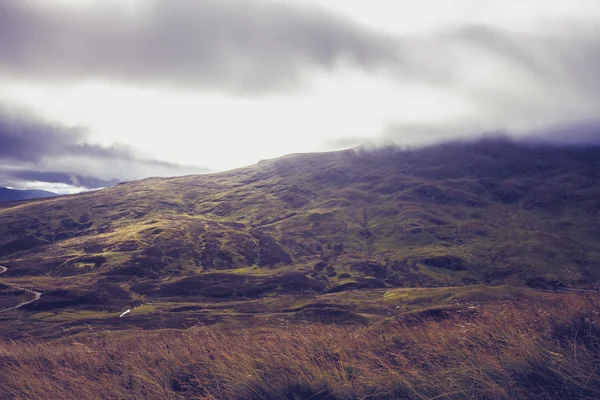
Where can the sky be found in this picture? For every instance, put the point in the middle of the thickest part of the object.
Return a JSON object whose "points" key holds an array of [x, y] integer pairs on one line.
{"points": [[93, 92]]}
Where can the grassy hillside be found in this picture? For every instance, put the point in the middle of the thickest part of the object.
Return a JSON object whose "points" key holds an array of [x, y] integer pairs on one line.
{"points": [[284, 231]]}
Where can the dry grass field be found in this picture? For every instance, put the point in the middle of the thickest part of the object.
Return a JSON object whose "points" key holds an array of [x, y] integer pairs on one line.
{"points": [[547, 348]]}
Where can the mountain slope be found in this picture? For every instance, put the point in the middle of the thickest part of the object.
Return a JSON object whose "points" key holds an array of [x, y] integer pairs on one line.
{"points": [[490, 212], [7, 194]]}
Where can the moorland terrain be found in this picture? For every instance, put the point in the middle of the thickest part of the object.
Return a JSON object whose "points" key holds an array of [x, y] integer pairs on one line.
{"points": [[438, 272]]}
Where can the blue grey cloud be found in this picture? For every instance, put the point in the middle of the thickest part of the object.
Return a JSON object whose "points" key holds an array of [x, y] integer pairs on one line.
{"points": [[240, 45], [32, 149]]}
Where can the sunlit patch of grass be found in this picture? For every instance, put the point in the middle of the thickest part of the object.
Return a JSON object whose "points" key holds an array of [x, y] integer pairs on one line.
{"points": [[474, 293], [146, 309], [255, 270], [75, 315], [43, 315]]}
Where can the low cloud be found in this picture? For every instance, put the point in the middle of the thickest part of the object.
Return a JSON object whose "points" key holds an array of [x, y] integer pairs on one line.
{"points": [[33, 150], [544, 85], [582, 132], [586, 132]]}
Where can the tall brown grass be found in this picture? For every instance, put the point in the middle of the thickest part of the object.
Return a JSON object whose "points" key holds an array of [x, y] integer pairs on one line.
{"points": [[507, 350]]}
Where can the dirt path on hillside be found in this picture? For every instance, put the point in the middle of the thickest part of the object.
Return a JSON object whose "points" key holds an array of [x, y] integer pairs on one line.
{"points": [[36, 295]]}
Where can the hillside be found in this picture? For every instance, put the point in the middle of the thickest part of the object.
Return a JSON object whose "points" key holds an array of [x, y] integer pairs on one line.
{"points": [[381, 274], [493, 213], [7, 194]]}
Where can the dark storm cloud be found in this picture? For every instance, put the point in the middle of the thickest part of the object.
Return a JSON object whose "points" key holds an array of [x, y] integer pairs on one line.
{"points": [[25, 137], [240, 45], [35, 150], [28, 139]]}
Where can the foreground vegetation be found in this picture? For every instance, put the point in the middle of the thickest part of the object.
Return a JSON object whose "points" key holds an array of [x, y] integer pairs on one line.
{"points": [[547, 348]]}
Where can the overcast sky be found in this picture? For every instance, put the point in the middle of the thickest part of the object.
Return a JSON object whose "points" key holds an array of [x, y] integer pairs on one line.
{"points": [[97, 91]]}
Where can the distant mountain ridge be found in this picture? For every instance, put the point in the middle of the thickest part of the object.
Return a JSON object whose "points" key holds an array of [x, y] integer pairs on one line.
{"points": [[7, 194]]}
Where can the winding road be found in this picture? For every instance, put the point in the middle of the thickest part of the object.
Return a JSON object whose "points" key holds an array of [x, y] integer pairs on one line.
{"points": [[37, 295]]}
